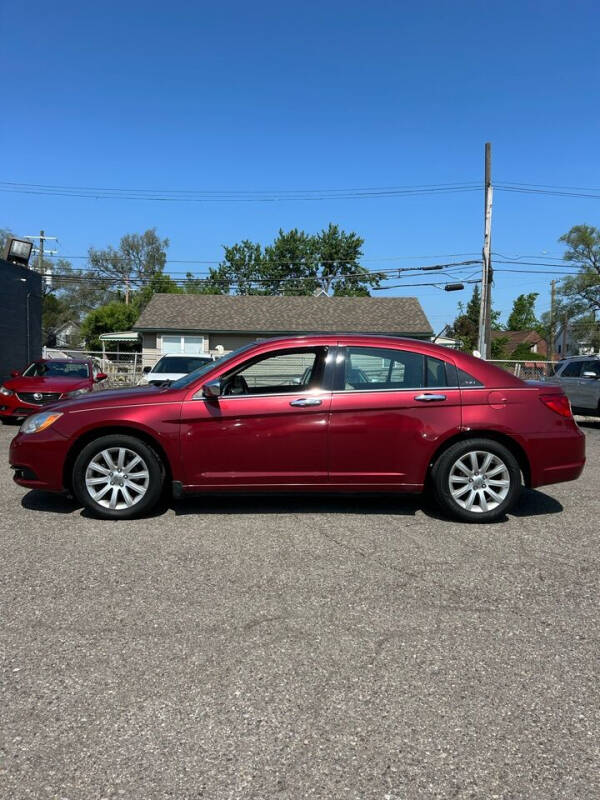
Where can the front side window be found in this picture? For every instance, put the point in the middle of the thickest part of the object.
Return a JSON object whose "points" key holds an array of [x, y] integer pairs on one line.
{"points": [[277, 373], [572, 370]]}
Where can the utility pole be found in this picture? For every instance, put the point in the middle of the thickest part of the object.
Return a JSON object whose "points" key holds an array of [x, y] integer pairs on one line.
{"points": [[552, 319], [41, 254], [485, 311]]}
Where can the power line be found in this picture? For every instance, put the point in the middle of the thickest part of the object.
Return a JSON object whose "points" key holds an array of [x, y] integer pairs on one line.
{"points": [[265, 198], [546, 192]]}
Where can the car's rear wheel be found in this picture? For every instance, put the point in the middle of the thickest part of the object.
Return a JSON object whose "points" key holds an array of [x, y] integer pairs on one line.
{"points": [[118, 477], [477, 480]]}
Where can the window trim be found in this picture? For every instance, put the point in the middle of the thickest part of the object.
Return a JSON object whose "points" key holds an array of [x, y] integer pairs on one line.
{"points": [[340, 372], [330, 352]]}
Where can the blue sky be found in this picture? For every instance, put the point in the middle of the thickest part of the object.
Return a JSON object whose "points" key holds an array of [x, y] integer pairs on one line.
{"points": [[311, 95]]}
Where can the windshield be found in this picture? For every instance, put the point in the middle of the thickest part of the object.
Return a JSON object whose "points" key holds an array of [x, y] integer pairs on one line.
{"points": [[198, 373], [57, 369], [181, 364]]}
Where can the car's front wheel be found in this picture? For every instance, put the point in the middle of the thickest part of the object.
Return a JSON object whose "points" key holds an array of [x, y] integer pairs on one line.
{"points": [[118, 477], [477, 480]]}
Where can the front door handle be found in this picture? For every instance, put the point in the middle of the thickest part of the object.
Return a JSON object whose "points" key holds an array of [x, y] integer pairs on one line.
{"points": [[306, 401], [428, 398]]}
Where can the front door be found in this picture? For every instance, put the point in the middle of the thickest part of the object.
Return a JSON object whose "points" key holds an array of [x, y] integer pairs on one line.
{"points": [[588, 392], [268, 427], [389, 412]]}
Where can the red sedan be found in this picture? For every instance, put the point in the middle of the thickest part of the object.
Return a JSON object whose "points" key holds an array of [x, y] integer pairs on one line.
{"points": [[45, 381], [317, 413]]}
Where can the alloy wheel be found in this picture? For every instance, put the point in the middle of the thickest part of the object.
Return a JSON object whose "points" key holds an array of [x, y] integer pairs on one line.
{"points": [[479, 481], [117, 478]]}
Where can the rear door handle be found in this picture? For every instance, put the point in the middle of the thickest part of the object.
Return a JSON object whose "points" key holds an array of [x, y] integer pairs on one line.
{"points": [[428, 398], [306, 401]]}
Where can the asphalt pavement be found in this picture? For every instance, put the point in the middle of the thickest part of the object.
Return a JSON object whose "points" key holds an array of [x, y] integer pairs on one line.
{"points": [[300, 648]]}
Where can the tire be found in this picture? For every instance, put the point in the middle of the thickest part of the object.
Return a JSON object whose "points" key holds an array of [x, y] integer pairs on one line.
{"points": [[103, 482], [465, 491]]}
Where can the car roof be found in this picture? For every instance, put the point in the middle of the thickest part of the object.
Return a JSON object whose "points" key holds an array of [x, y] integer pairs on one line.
{"points": [[579, 358], [62, 361]]}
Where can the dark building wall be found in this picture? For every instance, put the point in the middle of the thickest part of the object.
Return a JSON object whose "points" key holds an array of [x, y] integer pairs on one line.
{"points": [[20, 317]]}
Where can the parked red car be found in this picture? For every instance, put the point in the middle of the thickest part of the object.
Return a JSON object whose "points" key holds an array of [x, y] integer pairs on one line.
{"points": [[325, 413], [45, 381]]}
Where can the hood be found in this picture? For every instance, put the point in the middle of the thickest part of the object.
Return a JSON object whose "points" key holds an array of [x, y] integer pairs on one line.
{"points": [[39, 384], [140, 394]]}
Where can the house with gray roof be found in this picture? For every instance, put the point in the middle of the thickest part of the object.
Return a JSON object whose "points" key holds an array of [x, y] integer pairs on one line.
{"points": [[217, 324]]}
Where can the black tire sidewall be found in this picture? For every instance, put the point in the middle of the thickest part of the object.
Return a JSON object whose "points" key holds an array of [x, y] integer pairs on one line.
{"points": [[138, 446], [441, 472]]}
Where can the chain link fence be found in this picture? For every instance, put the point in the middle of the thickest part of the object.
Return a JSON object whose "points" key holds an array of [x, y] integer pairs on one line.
{"points": [[123, 369], [527, 370]]}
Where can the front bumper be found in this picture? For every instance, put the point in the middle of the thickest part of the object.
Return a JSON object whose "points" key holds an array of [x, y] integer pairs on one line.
{"points": [[38, 460], [13, 407]]}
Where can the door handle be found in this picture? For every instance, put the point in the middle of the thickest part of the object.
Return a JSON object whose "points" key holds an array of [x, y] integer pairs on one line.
{"points": [[428, 398], [306, 401]]}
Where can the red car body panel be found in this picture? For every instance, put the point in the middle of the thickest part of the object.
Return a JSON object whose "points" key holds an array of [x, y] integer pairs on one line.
{"points": [[21, 403], [374, 440]]}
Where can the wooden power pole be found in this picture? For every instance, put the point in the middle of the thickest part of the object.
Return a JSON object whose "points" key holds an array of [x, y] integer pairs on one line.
{"points": [[485, 311], [552, 320], [41, 253]]}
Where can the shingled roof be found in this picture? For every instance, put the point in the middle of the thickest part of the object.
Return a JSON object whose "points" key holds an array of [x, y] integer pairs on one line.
{"points": [[275, 315]]}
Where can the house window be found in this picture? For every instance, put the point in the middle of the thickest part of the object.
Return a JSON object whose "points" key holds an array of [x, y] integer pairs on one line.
{"points": [[180, 343]]}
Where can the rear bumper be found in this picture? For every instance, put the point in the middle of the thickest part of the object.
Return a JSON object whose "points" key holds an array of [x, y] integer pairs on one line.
{"points": [[558, 458]]}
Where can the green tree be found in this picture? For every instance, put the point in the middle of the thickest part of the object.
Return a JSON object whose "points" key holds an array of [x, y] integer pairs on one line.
{"points": [[296, 263], [107, 319], [465, 327], [5, 235], [131, 266], [522, 317], [579, 296]]}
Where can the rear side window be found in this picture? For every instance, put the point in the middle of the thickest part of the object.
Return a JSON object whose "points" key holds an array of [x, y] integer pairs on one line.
{"points": [[377, 368], [435, 372], [572, 370]]}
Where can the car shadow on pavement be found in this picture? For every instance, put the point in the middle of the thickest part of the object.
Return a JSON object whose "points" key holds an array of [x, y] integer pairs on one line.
{"points": [[532, 503], [591, 423]]}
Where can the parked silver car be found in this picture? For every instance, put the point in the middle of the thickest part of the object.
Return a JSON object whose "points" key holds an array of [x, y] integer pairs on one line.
{"points": [[580, 378]]}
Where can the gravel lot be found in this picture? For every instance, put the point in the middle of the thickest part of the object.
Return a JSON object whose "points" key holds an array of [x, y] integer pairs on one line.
{"points": [[299, 648]]}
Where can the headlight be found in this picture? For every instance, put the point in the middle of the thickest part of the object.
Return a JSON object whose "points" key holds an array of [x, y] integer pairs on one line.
{"points": [[77, 392], [5, 391], [39, 422]]}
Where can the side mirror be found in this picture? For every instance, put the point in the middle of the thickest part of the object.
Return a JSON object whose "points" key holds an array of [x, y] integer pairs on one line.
{"points": [[212, 389], [14, 373], [590, 374], [101, 376], [146, 370]]}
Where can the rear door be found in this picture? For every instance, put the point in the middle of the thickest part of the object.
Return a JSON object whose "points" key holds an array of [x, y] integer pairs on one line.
{"points": [[390, 410]]}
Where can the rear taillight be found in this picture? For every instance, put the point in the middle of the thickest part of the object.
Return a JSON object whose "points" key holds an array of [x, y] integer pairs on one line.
{"points": [[559, 403]]}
